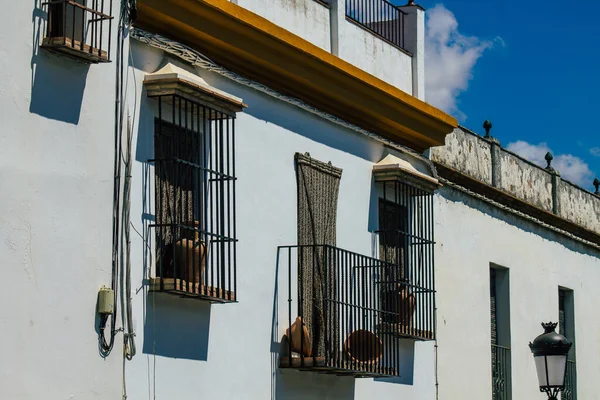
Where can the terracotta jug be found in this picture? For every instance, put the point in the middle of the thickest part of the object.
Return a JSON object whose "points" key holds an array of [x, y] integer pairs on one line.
{"points": [[190, 255], [298, 336], [401, 303]]}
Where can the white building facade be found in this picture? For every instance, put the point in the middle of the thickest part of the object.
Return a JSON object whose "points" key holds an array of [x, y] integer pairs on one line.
{"points": [[241, 164]]}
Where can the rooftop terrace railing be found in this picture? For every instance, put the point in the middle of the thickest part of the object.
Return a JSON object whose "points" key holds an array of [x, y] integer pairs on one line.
{"points": [[380, 17]]}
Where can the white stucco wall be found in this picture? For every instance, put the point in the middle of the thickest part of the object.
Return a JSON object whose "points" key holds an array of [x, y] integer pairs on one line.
{"points": [[56, 175], [308, 19], [538, 262], [370, 53], [229, 351]]}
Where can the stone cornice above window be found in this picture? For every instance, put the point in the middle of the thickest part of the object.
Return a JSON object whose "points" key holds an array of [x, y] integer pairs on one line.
{"points": [[173, 80], [403, 168]]}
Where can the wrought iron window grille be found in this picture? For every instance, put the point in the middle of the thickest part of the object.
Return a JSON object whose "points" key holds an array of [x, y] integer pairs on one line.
{"points": [[406, 229], [79, 28], [195, 195]]}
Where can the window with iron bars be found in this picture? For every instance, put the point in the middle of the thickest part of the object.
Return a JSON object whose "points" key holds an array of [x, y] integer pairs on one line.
{"points": [[566, 328], [79, 28], [500, 334], [195, 200], [406, 245]]}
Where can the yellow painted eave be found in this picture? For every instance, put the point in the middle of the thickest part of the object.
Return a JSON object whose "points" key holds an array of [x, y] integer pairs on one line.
{"points": [[267, 53]]}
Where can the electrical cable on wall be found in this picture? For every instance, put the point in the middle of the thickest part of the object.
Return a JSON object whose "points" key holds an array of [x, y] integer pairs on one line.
{"points": [[120, 209]]}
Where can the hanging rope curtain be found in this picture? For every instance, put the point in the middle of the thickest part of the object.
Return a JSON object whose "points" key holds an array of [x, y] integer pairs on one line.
{"points": [[318, 189]]}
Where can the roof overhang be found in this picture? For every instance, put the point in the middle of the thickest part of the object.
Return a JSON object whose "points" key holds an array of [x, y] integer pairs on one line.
{"points": [[267, 53]]}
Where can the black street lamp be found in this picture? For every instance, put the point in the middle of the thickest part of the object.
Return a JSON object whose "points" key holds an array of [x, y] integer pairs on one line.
{"points": [[550, 351]]}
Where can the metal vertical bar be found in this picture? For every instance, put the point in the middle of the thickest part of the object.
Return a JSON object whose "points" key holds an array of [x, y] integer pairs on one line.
{"points": [[185, 194], [289, 339], [222, 181], [95, 27], [101, 29], [344, 303], [158, 193], [211, 212], [301, 306], [173, 172], [229, 183], [234, 205], [74, 9], [431, 247], [83, 15], [202, 218], [109, 28], [326, 303]]}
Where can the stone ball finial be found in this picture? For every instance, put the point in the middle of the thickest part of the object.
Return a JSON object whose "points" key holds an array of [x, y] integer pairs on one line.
{"points": [[411, 3], [597, 186], [549, 157], [487, 125]]}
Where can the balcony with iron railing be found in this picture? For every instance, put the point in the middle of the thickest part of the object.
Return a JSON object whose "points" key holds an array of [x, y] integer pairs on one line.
{"points": [[348, 313]]}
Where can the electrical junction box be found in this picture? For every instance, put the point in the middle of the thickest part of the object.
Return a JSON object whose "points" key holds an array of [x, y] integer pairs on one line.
{"points": [[106, 300]]}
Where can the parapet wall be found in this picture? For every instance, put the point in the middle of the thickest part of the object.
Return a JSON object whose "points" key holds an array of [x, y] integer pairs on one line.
{"points": [[482, 162]]}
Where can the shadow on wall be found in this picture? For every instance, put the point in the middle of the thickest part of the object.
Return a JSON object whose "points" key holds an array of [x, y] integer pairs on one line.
{"points": [[270, 110], [406, 348], [57, 82], [299, 385], [176, 327], [514, 220]]}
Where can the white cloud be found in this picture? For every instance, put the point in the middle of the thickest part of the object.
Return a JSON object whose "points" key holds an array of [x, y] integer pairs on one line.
{"points": [[595, 151], [449, 59], [571, 168]]}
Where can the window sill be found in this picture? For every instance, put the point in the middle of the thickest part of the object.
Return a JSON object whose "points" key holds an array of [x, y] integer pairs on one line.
{"points": [[73, 48], [320, 365], [404, 331], [181, 287]]}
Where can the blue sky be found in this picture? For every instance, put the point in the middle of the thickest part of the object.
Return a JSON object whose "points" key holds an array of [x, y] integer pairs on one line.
{"points": [[532, 68]]}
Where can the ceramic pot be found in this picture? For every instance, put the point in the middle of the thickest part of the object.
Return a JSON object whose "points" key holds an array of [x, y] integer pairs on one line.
{"points": [[401, 303], [298, 336], [189, 254], [363, 346]]}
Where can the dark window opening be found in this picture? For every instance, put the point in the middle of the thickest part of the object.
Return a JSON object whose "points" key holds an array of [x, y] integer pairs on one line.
{"points": [[566, 328], [500, 334]]}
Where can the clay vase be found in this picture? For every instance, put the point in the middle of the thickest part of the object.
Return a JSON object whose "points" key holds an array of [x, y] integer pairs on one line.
{"points": [[363, 346], [190, 255], [401, 303], [298, 336]]}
